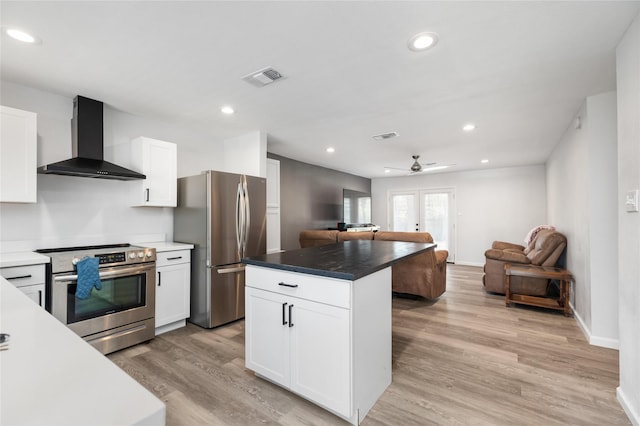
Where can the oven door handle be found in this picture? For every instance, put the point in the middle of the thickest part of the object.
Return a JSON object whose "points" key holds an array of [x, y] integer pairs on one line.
{"points": [[107, 274]]}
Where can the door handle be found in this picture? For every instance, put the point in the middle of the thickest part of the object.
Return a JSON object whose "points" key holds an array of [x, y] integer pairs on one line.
{"points": [[290, 316], [174, 258], [284, 320], [231, 270], [159, 279], [288, 285], [40, 297], [147, 194]]}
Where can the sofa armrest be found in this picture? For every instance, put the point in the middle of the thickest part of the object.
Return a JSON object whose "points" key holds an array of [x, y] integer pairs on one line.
{"points": [[507, 256], [501, 245], [441, 256]]}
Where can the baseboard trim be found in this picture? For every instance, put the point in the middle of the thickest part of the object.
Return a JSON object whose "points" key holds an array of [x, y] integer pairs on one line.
{"points": [[634, 417], [604, 342], [457, 262]]}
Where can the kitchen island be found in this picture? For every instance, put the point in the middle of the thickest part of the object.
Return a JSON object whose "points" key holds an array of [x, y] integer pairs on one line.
{"points": [[51, 376], [318, 321]]}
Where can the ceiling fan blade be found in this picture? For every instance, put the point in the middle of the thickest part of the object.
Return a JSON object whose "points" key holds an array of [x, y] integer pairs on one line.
{"points": [[395, 168], [427, 164]]}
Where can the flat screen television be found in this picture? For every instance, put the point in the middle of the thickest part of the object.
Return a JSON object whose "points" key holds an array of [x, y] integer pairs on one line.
{"points": [[356, 207]]}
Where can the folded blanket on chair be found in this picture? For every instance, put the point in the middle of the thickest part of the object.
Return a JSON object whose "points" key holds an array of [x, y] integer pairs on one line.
{"points": [[88, 277]]}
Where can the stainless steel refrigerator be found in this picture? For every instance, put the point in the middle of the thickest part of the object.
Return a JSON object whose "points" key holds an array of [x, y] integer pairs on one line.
{"points": [[224, 216]]}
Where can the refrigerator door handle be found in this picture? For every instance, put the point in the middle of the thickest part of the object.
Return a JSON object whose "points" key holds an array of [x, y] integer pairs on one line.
{"points": [[247, 216], [239, 219], [231, 270]]}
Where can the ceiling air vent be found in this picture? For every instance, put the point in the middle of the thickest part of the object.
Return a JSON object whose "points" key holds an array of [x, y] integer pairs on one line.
{"points": [[263, 77], [385, 136]]}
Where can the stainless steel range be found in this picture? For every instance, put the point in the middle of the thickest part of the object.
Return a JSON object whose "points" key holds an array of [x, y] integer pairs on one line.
{"points": [[121, 313]]}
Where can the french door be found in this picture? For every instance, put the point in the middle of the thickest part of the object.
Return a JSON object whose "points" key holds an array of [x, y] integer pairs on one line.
{"points": [[427, 210]]}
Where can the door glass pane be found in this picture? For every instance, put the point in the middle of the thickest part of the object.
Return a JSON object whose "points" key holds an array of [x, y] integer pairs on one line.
{"points": [[403, 212], [436, 218]]}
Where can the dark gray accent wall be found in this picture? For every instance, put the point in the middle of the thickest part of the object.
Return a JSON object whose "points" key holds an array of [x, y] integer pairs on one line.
{"points": [[311, 197]]}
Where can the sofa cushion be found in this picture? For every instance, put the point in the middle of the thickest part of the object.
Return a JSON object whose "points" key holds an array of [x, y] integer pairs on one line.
{"points": [[313, 238], [412, 237], [349, 236]]}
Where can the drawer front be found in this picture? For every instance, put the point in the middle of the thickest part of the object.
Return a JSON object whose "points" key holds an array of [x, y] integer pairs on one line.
{"points": [[326, 290], [166, 258], [24, 275]]}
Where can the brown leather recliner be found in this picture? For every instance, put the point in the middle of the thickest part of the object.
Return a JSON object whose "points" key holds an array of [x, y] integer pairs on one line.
{"points": [[544, 250]]}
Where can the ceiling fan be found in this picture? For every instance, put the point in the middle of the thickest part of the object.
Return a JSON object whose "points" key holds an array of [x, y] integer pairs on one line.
{"points": [[418, 167]]}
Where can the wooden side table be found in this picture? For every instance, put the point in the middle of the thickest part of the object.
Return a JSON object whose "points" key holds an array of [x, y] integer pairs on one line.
{"points": [[560, 303]]}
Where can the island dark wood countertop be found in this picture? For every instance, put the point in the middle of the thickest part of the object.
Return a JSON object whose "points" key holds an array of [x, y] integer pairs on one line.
{"points": [[349, 260]]}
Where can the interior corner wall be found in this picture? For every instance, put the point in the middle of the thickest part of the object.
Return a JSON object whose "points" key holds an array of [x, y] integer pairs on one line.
{"points": [[581, 181], [311, 197], [493, 204], [628, 102]]}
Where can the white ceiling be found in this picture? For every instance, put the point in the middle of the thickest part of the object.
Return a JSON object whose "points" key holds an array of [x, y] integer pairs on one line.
{"points": [[518, 70]]}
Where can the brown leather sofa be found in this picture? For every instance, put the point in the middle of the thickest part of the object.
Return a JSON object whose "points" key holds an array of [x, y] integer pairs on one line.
{"points": [[421, 275], [545, 250]]}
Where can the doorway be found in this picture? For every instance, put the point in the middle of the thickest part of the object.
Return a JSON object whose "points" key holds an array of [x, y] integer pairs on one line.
{"points": [[425, 210]]}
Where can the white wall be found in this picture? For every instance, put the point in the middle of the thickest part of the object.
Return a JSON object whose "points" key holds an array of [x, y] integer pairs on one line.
{"points": [[581, 188], [246, 154], [628, 90], [493, 204], [77, 211]]}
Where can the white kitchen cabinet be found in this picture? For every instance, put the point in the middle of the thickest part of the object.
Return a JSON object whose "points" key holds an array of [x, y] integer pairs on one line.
{"points": [[29, 279], [173, 286], [18, 155], [326, 339], [158, 161], [273, 205]]}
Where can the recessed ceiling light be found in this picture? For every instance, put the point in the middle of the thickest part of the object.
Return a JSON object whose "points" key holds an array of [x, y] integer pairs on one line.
{"points": [[331, 150], [422, 41], [469, 127], [485, 161], [387, 171], [227, 110], [21, 36]]}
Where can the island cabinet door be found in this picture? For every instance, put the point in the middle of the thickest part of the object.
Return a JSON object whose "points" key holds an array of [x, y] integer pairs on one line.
{"points": [[267, 335], [321, 354]]}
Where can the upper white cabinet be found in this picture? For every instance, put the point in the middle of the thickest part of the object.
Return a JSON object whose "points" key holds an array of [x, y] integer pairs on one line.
{"points": [[18, 155], [156, 159]]}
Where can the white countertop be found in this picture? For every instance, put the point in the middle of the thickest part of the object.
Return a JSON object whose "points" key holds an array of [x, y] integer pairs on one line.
{"points": [[162, 246], [49, 375], [23, 258]]}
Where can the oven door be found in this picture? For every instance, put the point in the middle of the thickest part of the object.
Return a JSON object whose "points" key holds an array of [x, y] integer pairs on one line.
{"points": [[127, 296]]}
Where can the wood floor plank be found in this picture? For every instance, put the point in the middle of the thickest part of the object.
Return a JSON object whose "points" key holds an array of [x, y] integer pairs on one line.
{"points": [[462, 359]]}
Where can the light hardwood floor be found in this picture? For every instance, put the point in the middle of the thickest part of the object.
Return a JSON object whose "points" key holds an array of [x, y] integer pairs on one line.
{"points": [[463, 359]]}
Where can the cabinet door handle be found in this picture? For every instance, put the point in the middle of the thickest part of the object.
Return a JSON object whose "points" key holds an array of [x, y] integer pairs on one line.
{"points": [[159, 279], [288, 285], [290, 316], [147, 194], [284, 320], [174, 258], [40, 297], [21, 277]]}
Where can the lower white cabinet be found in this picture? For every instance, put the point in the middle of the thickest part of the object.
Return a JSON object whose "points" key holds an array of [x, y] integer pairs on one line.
{"points": [[301, 345], [327, 340], [28, 279], [173, 277]]}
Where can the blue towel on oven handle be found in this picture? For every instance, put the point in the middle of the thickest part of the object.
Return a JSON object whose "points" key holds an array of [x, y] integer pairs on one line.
{"points": [[88, 276]]}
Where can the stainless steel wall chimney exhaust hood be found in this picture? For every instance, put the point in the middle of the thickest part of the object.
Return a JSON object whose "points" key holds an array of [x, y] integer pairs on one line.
{"points": [[88, 144]]}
